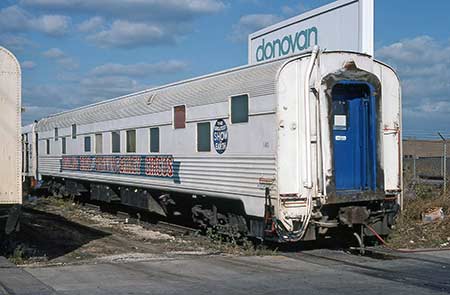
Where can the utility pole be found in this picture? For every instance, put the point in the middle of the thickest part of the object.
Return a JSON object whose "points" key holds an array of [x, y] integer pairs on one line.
{"points": [[445, 161]]}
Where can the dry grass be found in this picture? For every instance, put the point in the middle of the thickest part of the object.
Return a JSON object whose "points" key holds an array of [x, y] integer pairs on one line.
{"points": [[411, 232]]}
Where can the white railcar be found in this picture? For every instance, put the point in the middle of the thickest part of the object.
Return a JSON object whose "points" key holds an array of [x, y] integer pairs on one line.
{"points": [[290, 149], [10, 153], [29, 156]]}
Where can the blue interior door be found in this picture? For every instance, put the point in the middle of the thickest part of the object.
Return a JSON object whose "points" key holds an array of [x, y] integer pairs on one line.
{"points": [[351, 141]]}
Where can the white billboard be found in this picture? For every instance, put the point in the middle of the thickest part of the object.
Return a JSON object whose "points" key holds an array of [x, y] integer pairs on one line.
{"points": [[341, 25]]}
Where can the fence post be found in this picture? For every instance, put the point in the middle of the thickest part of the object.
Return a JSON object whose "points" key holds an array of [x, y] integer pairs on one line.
{"points": [[445, 162], [445, 166]]}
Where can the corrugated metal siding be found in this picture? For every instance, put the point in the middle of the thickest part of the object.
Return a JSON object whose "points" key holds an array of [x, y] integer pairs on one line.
{"points": [[231, 174], [49, 165], [256, 81]]}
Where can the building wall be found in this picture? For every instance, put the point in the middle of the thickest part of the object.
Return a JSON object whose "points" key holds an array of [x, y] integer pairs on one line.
{"points": [[422, 148]]}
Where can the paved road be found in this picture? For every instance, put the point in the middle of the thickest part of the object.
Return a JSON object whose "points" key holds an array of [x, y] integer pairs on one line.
{"points": [[311, 272]]}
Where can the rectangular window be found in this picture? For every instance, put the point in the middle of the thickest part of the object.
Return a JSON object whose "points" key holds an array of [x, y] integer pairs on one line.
{"points": [[204, 137], [74, 131], [47, 145], [56, 134], [115, 142], [179, 117], [131, 141], [154, 140], [87, 144], [64, 147], [340, 113], [239, 109], [98, 143]]}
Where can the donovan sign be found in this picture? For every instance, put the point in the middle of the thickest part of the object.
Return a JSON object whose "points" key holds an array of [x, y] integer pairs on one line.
{"points": [[342, 25]]}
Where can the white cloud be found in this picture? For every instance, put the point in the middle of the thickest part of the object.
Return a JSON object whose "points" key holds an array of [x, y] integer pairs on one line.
{"points": [[142, 10], [68, 63], [99, 88], [61, 58], [28, 65], [93, 24], [250, 23], [54, 53], [46, 99], [140, 69], [48, 95], [15, 42], [15, 19], [128, 34], [297, 9], [53, 25], [131, 23], [102, 82], [34, 112], [423, 65]]}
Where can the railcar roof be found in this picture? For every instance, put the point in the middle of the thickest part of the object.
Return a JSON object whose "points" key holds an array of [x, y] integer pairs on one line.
{"points": [[256, 80]]}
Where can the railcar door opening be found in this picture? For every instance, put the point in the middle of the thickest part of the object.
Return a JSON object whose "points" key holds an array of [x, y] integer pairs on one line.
{"points": [[354, 136]]}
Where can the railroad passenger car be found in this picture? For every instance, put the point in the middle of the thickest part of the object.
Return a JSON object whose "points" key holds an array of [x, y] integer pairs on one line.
{"points": [[290, 150], [29, 157], [10, 149]]}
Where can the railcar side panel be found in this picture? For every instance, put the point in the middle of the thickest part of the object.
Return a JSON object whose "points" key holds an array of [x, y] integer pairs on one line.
{"points": [[235, 173], [10, 109]]}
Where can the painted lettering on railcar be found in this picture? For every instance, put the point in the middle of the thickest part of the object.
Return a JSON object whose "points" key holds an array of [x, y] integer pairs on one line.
{"points": [[159, 166], [139, 165]]}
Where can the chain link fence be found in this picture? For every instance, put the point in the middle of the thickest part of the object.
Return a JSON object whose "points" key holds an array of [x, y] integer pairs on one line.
{"points": [[425, 167]]}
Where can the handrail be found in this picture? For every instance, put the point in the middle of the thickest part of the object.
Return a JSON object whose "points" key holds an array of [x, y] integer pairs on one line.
{"points": [[308, 182]]}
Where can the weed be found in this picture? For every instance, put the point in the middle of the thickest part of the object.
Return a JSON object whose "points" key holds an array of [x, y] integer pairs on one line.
{"points": [[234, 243], [411, 232], [18, 255]]}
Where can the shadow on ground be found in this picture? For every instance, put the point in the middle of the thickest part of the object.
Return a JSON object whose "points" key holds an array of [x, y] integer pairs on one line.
{"points": [[47, 236]]}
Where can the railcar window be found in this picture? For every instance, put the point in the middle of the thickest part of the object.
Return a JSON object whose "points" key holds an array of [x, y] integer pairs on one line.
{"points": [[154, 140], [131, 141], [56, 134], [115, 141], [204, 137], [74, 131], [98, 143], [340, 113], [47, 145], [87, 144], [239, 109], [64, 146], [179, 117]]}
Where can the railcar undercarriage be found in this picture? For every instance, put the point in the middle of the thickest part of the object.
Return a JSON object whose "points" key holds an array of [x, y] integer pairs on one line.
{"points": [[228, 217]]}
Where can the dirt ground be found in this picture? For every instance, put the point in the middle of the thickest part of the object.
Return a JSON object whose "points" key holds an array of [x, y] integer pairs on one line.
{"points": [[57, 232], [60, 231]]}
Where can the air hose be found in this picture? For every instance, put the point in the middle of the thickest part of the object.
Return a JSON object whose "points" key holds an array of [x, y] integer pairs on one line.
{"points": [[402, 250]]}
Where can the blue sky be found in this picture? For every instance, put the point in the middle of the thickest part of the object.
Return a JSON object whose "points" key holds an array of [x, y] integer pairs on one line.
{"points": [[75, 52]]}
